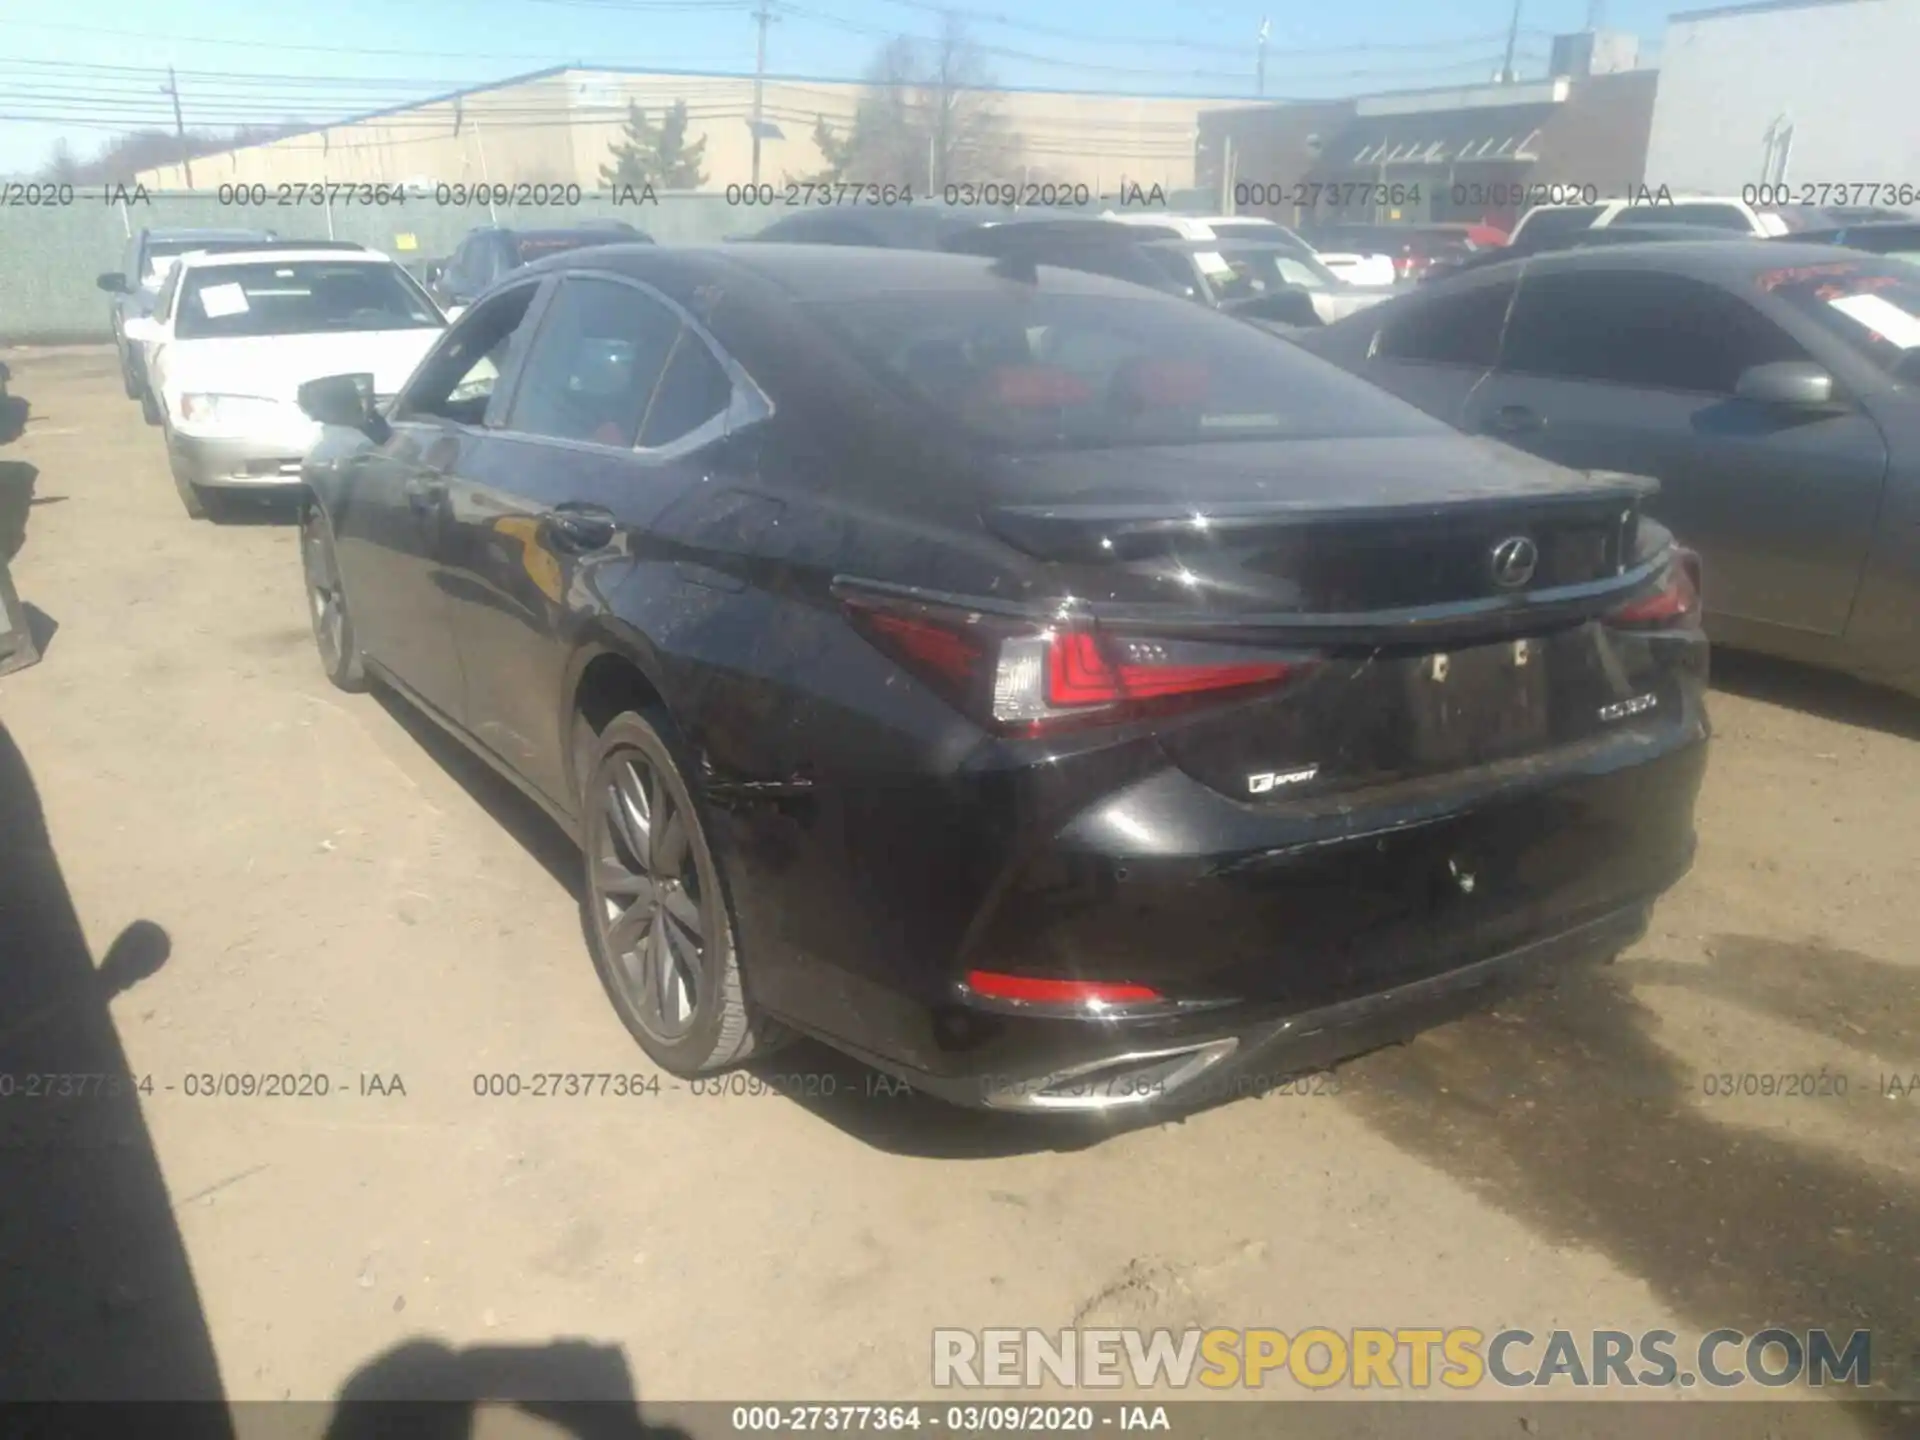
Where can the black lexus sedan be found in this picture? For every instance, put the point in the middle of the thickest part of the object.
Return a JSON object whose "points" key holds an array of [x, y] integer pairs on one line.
{"points": [[1053, 692]]}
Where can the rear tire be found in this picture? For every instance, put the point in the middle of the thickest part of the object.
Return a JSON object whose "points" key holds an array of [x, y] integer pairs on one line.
{"points": [[149, 407], [128, 382], [333, 636], [657, 915]]}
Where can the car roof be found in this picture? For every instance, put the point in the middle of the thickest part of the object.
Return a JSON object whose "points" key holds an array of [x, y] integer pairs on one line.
{"points": [[189, 233], [283, 255], [1704, 259], [1223, 242], [1867, 228], [566, 232], [831, 272], [917, 222]]}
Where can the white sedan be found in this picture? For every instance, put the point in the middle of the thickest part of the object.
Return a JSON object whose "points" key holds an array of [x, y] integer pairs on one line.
{"points": [[233, 336]]}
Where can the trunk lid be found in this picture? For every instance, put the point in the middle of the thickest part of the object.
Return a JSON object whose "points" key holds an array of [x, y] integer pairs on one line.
{"points": [[1317, 531], [1402, 564]]}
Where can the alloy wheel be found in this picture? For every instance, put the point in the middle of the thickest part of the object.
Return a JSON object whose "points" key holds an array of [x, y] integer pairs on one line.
{"points": [[650, 897], [323, 592]]}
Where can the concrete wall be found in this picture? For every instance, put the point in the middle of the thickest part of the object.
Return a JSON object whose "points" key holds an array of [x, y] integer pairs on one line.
{"points": [[1842, 70], [562, 127]]}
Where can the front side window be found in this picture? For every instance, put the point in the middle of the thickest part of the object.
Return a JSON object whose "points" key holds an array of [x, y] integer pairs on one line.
{"points": [[301, 297], [1031, 369], [457, 381], [593, 368], [1639, 328], [1459, 329]]}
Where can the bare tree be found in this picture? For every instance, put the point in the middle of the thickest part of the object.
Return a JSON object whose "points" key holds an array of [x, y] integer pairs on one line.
{"points": [[929, 117], [61, 167]]}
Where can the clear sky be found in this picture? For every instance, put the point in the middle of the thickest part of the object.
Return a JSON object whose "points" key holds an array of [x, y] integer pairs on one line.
{"points": [[86, 69]]}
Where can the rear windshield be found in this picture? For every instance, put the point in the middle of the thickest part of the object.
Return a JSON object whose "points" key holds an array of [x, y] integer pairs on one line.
{"points": [[301, 298], [1032, 370], [537, 247], [1873, 307], [1719, 215], [1561, 220]]}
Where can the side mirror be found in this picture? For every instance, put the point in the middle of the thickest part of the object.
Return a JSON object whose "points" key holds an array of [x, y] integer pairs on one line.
{"points": [[1799, 384], [434, 271], [338, 400], [113, 282]]}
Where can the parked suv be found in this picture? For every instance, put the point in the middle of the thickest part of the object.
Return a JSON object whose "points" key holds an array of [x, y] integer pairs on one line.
{"points": [[1713, 212], [489, 253], [150, 252]]}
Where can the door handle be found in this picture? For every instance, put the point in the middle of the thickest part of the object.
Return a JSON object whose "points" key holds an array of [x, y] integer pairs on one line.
{"points": [[580, 527], [1515, 420]]}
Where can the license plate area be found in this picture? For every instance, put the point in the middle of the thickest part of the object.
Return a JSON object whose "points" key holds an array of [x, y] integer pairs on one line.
{"points": [[1472, 706]]}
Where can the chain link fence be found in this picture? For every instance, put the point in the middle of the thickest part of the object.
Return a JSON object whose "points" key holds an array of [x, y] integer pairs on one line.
{"points": [[51, 253]]}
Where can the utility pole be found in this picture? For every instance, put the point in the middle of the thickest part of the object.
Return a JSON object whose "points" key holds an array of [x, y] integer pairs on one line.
{"points": [[1260, 62], [172, 87], [1513, 37], [762, 17]]}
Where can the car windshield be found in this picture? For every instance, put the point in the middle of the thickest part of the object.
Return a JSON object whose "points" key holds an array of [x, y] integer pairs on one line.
{"points": [[1240, 272], [1874, 308], [301, 297], [162, 253], [1555, 221], [1031, 370]]}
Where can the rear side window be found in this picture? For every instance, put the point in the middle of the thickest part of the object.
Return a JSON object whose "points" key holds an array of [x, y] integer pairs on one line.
{"points": [[594, 364], [1028, 369], [694, 390], [1640, 328], [1462, 329], [1717, 217], [1551, 224]]}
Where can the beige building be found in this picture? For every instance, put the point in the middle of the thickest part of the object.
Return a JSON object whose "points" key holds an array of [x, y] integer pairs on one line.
{"points": [[558, 126]]}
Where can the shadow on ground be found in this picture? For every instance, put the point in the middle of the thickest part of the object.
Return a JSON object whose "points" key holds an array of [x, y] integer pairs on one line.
{"points": [[1561, 1109], [1823, 693], [17, 479], [424, 1390], [238, 509], [96, 1298]]}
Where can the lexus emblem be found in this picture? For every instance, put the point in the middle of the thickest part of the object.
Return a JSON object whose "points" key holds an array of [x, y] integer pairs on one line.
{"points": [[1514, 560]]}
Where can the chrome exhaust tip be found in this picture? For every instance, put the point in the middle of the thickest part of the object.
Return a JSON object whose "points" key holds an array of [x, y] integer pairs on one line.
{"points": [[1118, 1082]]}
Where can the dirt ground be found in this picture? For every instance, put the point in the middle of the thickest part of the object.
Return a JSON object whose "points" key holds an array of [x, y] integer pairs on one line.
{"points": [[267, 876]]}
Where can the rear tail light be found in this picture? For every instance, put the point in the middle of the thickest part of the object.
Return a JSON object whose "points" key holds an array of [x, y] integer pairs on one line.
{"points": [[1040, 990], [1675, 605], [1025, 679]]}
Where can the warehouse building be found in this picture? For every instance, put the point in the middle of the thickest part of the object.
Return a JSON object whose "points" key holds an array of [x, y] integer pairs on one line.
{"points": [[558, 126], [1456, 153], [1805, 92]]}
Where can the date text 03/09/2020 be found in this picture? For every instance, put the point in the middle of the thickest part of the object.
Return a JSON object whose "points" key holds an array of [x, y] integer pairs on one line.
{"points": [[958, 1420]]}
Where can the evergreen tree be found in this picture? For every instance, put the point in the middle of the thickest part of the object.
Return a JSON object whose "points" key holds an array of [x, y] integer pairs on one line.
{"points": [[635, 156], [680, 163], [657, 155]]}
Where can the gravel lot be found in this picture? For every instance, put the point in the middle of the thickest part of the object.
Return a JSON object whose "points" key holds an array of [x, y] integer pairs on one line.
{"points": [[278, 878]]}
